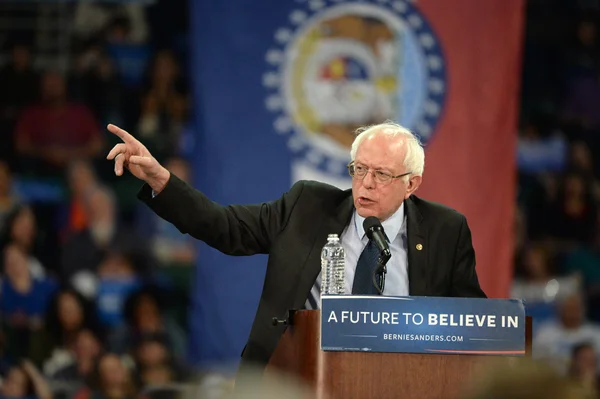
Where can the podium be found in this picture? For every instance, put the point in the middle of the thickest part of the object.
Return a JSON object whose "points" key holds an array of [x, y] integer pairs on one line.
{"points": [[364, 375]]}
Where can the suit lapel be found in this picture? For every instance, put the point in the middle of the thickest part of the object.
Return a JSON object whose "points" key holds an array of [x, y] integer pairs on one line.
{"points": [[417, 250], [332, 224]]}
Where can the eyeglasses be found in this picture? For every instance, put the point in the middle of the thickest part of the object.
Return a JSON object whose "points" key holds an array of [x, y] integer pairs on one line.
{"points": [[359, 171]]}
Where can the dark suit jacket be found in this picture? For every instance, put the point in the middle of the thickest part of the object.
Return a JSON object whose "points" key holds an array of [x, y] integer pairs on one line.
{"points": [[293, 230]]}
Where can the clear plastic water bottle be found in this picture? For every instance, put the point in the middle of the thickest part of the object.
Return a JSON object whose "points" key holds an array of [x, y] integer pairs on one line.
{"points": [[332, 267]]}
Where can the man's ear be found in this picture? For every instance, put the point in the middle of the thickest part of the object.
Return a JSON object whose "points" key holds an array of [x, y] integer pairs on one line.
{"points": [[413, 184]]}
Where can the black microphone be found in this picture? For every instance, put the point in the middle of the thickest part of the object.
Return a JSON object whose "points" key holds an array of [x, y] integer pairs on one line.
{"points": [[288, 321], [374, 231]]}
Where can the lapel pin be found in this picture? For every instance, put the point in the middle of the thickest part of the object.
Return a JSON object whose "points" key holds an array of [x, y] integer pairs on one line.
{"points": [[419, 247]]}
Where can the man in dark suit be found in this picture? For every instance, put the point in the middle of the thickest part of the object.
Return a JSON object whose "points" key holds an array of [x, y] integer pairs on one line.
{"points": [[432, 253]]}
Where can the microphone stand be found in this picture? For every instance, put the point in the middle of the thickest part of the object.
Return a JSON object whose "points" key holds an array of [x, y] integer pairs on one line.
{"points": [[381, 270]]}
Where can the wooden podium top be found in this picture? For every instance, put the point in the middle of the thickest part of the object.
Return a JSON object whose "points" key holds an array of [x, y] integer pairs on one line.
{"points": [[366, 375]]}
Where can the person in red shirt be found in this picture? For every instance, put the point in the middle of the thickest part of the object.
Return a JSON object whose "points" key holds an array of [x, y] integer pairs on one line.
{"points": [[55, 131]]}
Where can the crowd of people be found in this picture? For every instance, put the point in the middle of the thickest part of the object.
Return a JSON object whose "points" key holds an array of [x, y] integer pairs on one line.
{"points": [[557, 259], [93, 291]]}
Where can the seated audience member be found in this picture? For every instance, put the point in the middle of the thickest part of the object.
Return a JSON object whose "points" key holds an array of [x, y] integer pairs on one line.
{"points": [[21, 229], [84, 250], [584, 366], [68, 313], [163, 106], [155, 365], [117, 279], [578, 109], [82, 182], [23, 300], [91, 20], [581, 161], [96, 81], [24, 381], [51, 134], [555, 341], [572, 218], [145, 317], [111, 379], [85, 352], [538, 284], [585, 261], [580, 57]]}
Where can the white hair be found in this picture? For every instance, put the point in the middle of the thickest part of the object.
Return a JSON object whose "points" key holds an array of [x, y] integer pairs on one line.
{"points": [[414, 160]]}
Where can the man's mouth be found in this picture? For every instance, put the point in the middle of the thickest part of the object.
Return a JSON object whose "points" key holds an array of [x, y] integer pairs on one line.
{"points": [[365, 201]]}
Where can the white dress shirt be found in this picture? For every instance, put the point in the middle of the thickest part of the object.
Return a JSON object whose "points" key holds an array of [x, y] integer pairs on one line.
{"points": [[354, 240]]}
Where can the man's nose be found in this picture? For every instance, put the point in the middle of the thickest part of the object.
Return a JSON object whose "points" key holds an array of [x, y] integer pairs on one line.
{"points": [[369, 180]]}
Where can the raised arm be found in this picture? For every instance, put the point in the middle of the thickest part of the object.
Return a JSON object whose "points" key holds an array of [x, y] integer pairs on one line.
{"points": [[232, 229]]}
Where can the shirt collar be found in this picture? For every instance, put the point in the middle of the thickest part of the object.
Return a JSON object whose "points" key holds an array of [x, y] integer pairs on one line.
{"points": [[391, 225]]}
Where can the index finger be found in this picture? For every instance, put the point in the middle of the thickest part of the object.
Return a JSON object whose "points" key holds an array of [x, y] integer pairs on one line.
{"points": [[126, 137]]}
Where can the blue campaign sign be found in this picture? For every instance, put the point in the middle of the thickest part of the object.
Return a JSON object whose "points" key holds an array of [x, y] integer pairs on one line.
{"points": [[423, 325]]}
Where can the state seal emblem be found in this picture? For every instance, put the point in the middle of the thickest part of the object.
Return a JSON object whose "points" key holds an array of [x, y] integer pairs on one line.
{"points": [[337, 65]]}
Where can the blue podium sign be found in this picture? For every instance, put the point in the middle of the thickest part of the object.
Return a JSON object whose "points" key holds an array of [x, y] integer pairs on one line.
{"points": [[423, 325]]}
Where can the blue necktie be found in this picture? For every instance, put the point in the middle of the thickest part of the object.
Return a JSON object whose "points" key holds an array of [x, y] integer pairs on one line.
{"points": [[365, 267]]}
